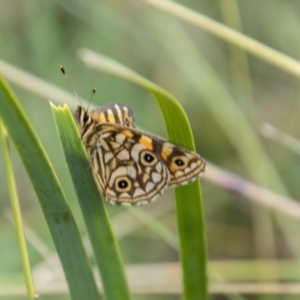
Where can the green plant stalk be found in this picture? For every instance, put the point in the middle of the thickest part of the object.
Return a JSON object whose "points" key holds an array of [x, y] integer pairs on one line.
{"points": [[17, 213], [256, 48], [93, 208], [240, 71], [51, 197], [264, 233], [227, 113], [188, 198]]}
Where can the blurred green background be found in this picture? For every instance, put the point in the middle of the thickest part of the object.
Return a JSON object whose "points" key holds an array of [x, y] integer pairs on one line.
{"points": [[220, 87]]}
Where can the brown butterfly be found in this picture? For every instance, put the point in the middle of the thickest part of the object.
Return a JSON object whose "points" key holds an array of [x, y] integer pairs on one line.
{"points": [[132, 167]]}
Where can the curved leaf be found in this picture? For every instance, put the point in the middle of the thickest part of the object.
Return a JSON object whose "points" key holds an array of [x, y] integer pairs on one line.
{"points": [[52, 199], [93, 208], [188, 198]]}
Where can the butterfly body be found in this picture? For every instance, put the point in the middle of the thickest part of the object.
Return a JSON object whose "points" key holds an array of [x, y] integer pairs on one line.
{"points": [[130, 166]]}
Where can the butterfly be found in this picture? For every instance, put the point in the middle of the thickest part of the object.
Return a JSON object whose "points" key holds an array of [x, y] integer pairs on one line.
{"points": [[130, 166]]}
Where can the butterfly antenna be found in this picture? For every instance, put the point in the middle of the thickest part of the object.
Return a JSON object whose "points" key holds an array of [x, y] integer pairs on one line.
{"points": [[69, 82], [91, 98]]}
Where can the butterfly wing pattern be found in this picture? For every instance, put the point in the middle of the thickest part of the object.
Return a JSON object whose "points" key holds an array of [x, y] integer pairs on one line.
{"points": [[132, 167]]}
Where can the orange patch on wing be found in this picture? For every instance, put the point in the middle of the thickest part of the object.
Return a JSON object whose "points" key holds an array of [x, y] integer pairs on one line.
{"points": [[128, 133], [98, 117], [111, 117], [146, 141]]}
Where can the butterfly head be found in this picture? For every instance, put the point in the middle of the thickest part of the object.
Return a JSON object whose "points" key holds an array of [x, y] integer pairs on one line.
{"points": [[84, 120]]}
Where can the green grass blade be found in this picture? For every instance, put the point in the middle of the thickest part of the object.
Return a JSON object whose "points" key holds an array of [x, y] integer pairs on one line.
{"points": [[16, 213], [234, 37], [188, 198], [93, 208], [52, 199]]}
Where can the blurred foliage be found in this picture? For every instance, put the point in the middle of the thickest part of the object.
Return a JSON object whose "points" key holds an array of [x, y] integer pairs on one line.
{"points": [[38, 36]]}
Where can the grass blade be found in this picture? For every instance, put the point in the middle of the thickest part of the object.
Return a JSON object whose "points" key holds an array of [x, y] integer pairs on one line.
{"points": [[231, 36], [93, 208], [16, 213], [188, 198], [52, 199]]}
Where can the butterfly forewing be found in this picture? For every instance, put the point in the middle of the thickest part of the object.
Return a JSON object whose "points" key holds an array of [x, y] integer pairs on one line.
{"points": [[132, 167]]}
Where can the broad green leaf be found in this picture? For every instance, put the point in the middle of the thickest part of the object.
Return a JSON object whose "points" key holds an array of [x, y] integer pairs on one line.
{"points": [[93, 208], [51, 197], [188, 198]]}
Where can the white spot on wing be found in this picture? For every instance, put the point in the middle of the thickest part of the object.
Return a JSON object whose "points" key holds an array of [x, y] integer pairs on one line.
{"points": [[138, 192], [123, 155], [124, 195], [156, 177], [193, 165], [120, 138], [135, 151], [150, 186], [107, 157], [158, 167], [131, 171], [114, 145], [179, 173], [187, 170]]}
